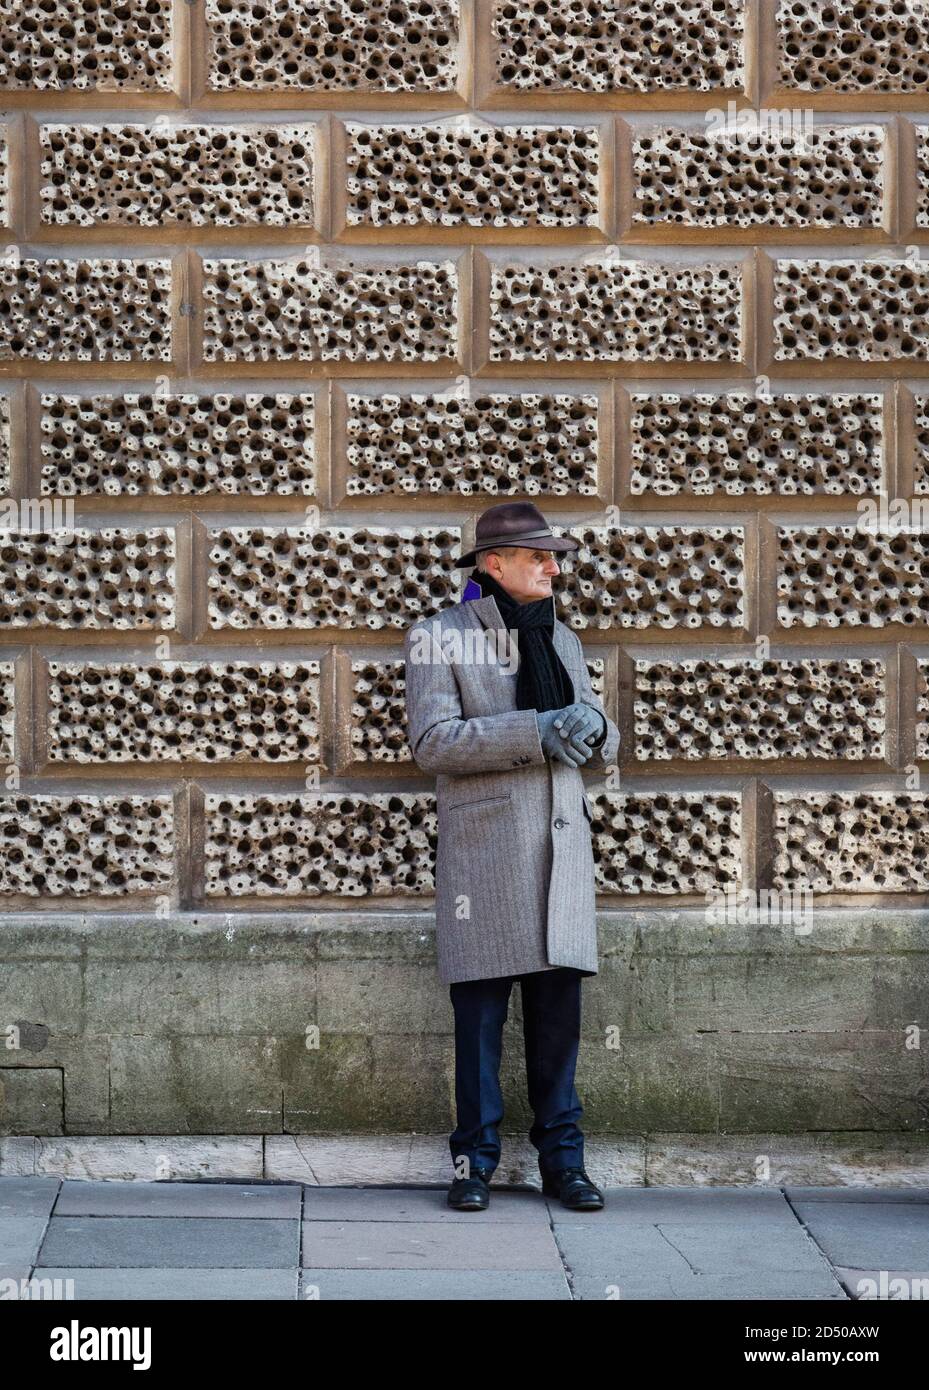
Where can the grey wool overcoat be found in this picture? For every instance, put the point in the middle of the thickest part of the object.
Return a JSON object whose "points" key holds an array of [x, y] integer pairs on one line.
{"points": [[514, 862]]}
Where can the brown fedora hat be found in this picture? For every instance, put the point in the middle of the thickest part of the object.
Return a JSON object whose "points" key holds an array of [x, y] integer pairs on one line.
{"points": [[514, 523]]}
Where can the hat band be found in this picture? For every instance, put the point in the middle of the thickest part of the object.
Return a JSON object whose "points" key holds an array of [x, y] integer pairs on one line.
{"points": [[511, 539]]}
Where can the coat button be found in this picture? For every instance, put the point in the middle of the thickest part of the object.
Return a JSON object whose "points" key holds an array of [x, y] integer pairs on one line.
{"points": [[559, 823]]}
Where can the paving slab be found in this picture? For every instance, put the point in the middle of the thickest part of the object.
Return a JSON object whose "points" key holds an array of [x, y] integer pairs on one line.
{"points": [[197, 1285], [118, 1198], [186, 1241], [870, 1235], [145, 1242], [416, 1204], [676, 1247], [28, 1196], [20, 1239], [685, 1286], [29, 1285], [444, 1285], [858, 1194], [885, 1284], [634, 1205], [452, 1245]]}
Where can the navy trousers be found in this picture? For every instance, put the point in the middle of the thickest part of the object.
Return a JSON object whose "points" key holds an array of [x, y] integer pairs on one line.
{"points": [[551, 1001]]}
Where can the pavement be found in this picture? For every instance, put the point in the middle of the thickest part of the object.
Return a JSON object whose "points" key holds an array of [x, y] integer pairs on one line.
{"points": [[285, 1241]]}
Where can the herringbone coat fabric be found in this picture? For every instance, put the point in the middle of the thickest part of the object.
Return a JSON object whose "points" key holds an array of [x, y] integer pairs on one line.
{"points": [[514, 861]]}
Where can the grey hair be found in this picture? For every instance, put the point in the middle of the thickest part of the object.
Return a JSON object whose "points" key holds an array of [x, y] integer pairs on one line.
{"points": [[480, 559]]}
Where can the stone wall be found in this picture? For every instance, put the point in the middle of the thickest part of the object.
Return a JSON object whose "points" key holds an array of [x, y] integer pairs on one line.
{"points": [[290, 292]]}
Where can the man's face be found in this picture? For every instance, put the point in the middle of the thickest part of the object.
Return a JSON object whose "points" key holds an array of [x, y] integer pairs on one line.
{"points": [[526, 574]]}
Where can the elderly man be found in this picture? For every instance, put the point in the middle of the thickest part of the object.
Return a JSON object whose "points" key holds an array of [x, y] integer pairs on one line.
{"points": [[500, 707]]}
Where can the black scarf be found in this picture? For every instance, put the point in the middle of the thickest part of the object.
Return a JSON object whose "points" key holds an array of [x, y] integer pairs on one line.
{"points": [[541, 681]]}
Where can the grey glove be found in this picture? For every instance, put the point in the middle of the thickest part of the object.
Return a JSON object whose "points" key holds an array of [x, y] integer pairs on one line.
{"points": [[555, 744], [583, 725]]}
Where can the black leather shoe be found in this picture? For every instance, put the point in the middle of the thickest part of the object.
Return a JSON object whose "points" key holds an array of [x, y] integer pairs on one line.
{"points": [[574, 1189], [471, 1193]]}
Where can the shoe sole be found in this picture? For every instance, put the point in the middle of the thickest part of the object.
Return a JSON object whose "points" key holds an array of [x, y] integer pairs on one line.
{"points": [[580, 1206]]}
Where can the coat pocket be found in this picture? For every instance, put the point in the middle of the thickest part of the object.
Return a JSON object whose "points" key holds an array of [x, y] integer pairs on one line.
{"points": [[481, 801]]}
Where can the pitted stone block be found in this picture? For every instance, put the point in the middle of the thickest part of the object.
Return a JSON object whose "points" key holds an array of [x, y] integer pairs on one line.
{"points": [[596, 670], [835, 576], [4, 444], [113, 712], [106, 45], [332, 45], [294, 577], [155, 175], [497, 443], [107, 845], [58, 310], [853, 46], [922, 707], [94, 434], [132, 445], [850, 842], [731, 708], [378, 709], [482, 176], [351, 844], [378, 712], [791, 444], [620, 45], [872, 311], [87, 579], [666, 842], [634, 311], [831, 176], [922, 175], [652, 576], [7, 707], [921, 443], [286, 310], [4, 174]]}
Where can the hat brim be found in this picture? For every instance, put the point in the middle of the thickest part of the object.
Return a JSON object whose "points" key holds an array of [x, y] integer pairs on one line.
{"points": [[560, 543]]}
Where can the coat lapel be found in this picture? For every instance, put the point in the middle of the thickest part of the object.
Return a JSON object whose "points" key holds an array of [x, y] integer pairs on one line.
{"points": [[489, 614]]}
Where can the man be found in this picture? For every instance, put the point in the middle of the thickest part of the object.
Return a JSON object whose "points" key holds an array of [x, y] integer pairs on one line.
{"points": [[500, 707]]}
